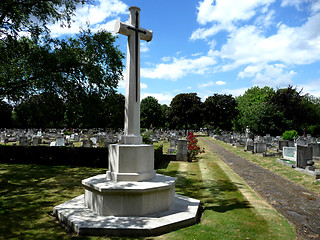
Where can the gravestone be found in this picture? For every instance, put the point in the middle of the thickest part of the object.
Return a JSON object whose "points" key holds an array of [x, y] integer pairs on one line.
{"points": [[23, 141], [282, 144], [87, 143], [259, 147], [289, 153], [304, 154], [76, 138], [172, 147], [182, 150], [60, 142], [316, 149], [301, 141], [249, 145], [130, 199], [36, 141]]}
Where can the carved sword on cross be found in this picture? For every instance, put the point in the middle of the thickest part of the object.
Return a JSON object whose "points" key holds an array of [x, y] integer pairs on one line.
{"points": [[132, 103], [139, 33]]}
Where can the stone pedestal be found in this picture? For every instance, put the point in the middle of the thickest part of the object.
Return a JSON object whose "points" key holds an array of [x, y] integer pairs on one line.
{"points": [[108, 198], [131, 162]]}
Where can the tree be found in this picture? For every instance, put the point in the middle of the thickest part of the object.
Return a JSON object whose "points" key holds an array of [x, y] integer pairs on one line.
{"points": [[291, 103], [34, 15], [88, 64], [185, 111], [6, 115], [150, 112], [164, 120], [219, 111], [45, 110], [113, 113], [256, 113]]}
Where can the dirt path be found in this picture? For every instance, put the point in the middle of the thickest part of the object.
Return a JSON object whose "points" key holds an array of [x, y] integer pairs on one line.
{"points": [[300, 206]]}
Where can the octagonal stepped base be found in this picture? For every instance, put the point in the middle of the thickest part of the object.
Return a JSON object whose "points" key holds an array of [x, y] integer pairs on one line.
{"points": [[109, 198], [83, 221]]}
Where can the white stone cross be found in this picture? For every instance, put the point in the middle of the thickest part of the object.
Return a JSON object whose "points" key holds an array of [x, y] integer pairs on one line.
{"points": [[132, 102]]}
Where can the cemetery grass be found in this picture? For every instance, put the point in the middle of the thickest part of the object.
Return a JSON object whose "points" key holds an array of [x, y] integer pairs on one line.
{"points": [[29, 193], [271, 164]]}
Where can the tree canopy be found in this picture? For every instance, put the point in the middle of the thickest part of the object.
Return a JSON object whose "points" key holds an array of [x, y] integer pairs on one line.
{"points": [[219, 111], [185, 111], [32, 16], [150, 113], [86, 64]]}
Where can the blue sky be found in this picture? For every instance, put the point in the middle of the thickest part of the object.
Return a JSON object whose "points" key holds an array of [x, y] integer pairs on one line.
{"points": [[216, 46]]}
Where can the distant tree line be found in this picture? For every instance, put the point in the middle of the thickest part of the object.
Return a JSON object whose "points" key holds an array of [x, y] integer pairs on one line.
{"points": [[263, 110]]}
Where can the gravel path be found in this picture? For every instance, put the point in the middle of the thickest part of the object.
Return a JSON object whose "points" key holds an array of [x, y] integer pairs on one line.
{"points": [[300, 206]]}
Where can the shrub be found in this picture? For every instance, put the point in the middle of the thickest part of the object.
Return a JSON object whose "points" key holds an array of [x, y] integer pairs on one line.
{"points": [[289, 135], [193, 148]]}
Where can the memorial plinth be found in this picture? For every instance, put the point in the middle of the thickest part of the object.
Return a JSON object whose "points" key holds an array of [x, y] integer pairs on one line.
{"points": [[130, 199]]}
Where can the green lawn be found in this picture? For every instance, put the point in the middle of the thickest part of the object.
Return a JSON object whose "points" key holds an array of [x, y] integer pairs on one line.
{"points": [[29, 193]]}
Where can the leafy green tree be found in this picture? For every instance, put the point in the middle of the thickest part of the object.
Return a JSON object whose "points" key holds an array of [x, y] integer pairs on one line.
{"points": [[6, 115], [164, 120], [256, 113], [34, 15], [45, 110], [150, 113], [291, 103], [185, 111], [219, 111], [113, 112], [88, 64]]}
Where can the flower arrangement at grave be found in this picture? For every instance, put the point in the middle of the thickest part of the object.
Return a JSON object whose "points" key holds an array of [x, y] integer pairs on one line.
{"points": [[193, 148]]}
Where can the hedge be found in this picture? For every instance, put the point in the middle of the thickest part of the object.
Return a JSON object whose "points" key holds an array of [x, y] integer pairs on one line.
{"points": [[67, 156]]}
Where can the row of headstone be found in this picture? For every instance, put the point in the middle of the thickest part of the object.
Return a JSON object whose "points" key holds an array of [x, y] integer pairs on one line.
{"points": [[55, 137]]}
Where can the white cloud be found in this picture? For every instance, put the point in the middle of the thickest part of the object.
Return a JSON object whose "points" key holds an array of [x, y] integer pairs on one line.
{"points": [[290, 45], [205, 85], [274, 75], [313, 88], [166, 59], [315, 7], [143, 85], [224, 14], [179, 68], [220, 83], [235, 92], [163, 98], [144, 47], [94, 14], [295, 3], [250, 71]]}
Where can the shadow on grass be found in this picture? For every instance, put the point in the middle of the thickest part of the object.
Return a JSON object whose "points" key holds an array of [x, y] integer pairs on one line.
{"points": [[29, 192], [222, 195]]}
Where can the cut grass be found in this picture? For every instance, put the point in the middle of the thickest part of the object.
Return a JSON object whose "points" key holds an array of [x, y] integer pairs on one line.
{"points": [[29, 193], [271, 164]]}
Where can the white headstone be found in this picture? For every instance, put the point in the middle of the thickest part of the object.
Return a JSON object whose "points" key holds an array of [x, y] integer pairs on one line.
{"points": [[60, 142]]}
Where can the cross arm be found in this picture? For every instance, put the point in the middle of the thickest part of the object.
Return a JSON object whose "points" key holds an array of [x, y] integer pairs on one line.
{"points": [[125, 29]]}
